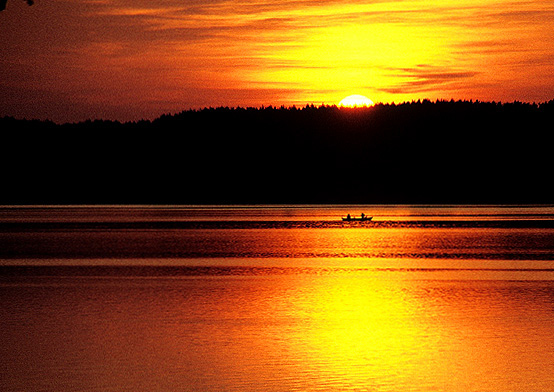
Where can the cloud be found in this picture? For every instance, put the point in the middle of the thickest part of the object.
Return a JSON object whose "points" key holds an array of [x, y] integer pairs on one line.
{"points": [[196, 52], [425, 77]]}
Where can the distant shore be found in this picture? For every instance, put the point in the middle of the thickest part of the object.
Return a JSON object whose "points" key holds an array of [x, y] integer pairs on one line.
{"points": [[417, 152]]}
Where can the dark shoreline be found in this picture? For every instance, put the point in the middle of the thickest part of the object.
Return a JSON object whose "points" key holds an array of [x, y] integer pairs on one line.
{"points": [[446, 152]]}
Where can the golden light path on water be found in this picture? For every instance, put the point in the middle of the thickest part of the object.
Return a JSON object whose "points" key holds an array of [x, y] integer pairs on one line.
{"points": [[360, 334], [381, 333], [373, 332]]}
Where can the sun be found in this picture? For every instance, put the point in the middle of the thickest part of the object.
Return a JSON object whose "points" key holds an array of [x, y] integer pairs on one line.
{"points": [[353, 101]]}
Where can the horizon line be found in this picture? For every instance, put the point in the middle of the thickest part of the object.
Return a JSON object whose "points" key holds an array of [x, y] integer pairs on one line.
{"points": [[291, 107]]}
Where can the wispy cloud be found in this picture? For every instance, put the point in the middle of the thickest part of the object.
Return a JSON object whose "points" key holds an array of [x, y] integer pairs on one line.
{"points": [[425, 77]]}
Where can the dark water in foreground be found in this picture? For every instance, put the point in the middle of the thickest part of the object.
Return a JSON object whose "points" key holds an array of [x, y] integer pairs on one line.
{"points": [[284, 298]]}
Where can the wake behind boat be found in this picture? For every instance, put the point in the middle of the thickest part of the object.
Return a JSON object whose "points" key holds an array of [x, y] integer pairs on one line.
{"points": [[362, 218]]}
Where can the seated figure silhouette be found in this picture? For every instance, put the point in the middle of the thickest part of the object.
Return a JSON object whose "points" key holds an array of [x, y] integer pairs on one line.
{"points": [[3, 3]]}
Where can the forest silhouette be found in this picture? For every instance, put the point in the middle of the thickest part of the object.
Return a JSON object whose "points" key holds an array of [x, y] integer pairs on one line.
{"points": [[416, 152], [4, 2]]}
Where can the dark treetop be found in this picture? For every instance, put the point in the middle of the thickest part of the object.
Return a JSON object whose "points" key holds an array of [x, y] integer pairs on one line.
{"points": [[4, 2]]}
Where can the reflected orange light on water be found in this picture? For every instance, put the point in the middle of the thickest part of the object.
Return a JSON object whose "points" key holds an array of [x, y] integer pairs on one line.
{"points": [[308, 330], [378, 332], [359, 331]]}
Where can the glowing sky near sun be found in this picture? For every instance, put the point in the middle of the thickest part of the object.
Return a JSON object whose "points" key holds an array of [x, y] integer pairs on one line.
{"points": [[129, 59]]}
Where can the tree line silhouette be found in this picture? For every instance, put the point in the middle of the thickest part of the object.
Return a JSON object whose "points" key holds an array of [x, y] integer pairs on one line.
{"points": [[4, 2], [415, 152]]}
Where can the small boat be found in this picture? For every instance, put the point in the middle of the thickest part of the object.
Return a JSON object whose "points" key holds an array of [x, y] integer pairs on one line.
{"points": [[363, 218]]}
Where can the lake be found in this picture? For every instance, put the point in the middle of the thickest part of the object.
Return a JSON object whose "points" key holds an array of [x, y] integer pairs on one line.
{"points": [[277, 298]]}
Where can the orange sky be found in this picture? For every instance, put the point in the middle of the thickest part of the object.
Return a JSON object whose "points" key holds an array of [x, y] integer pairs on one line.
{"points": [[71, 60]]}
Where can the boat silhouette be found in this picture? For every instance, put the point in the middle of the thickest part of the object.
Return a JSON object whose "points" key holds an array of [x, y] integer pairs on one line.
{"points": [[362, 218]]}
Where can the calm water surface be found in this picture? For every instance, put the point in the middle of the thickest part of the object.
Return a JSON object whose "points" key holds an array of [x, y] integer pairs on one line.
{"points": [[280, 298]]}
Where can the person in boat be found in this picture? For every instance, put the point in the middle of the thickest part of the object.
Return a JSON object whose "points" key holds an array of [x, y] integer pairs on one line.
{"points": [[363, 216], [348, 217]]}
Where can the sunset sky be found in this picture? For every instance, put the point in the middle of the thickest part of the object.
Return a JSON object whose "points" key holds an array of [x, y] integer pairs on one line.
{"points": [[70, 60]]}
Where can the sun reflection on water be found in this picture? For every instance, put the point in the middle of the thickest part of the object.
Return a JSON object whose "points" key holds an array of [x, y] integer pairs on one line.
{"points": [[360, 331]]}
